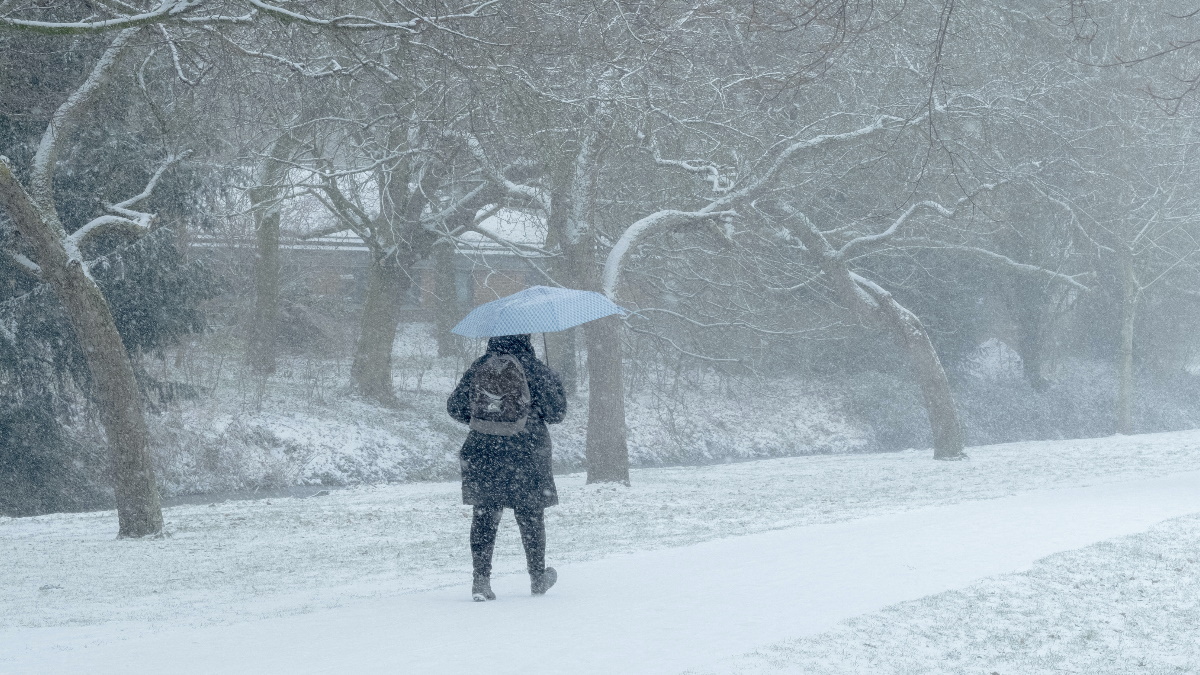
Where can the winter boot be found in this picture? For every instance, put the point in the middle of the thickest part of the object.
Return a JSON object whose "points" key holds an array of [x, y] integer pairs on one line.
{"points": [[481, 589], [540, 583]]}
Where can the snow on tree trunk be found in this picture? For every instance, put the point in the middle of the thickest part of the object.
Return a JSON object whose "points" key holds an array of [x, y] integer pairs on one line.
{"points": [[874, 302], [606, 451], [944, 423], [118, 400]]}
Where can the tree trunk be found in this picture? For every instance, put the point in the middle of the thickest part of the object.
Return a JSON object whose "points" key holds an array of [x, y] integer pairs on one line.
{"points": [[606, 448], [874, 303], [1028, 302], [372, 368], [1032, 348], [562, 358], [139, 511], [606, 451], [935, 386], [1129, 298], [265, 326], [944, 424], [446, 306], [264, 204], [114, 388], [562, 346]]}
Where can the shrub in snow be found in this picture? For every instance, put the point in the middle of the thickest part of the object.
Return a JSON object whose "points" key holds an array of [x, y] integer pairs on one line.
{"points": [[44, 470]]}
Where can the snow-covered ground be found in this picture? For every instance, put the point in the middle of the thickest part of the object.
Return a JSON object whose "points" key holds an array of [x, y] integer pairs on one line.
{"points": [[71, 593], [1126, 605]]}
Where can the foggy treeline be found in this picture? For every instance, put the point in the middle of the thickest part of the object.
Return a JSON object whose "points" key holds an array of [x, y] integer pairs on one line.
{"points": [[874, 202]]}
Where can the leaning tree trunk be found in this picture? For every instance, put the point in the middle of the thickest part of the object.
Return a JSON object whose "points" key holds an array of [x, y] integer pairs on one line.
{"points": [[114, 387], [1129, 298], [935, 386], [118, 398], [606, 450], [387, 284], [910, 333]]}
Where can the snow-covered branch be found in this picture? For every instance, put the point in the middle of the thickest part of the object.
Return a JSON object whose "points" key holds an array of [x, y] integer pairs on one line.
{"points": [[125, 208], [493, 172], [735, 324], [430, 220], [793, 147], [720, 207], [518, 249], [334, 67], [614, 265], [359, 22], [166, 11], [27, 265], [674, 345], [1071, 211], [346, 212], [710, 172], [42, 173], [992, 256], [123, 214], [175, 58], [894, 228], [194, 12]]}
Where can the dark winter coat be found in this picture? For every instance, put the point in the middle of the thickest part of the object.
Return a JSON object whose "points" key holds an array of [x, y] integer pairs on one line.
{"points": [[511, 471]]}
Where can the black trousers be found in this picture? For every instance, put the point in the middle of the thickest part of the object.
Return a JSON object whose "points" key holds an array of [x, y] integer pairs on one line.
{"points": [[485, 522]]}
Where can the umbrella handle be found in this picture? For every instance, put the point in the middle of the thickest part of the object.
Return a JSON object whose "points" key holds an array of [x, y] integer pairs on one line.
{"points": [[545, 349]]}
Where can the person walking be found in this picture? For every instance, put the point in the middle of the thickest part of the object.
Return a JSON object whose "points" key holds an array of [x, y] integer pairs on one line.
{"points": [[508, 397]]}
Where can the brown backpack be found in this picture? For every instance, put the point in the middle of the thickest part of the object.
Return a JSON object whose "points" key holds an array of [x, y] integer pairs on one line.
{"points": [[500, 400]]}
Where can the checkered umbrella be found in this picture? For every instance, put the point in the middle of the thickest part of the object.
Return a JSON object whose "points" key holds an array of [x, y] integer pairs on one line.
{"points": [[540, 309]]}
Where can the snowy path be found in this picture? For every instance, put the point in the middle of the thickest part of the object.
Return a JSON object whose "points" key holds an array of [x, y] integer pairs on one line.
{"points": [[650, 612]]}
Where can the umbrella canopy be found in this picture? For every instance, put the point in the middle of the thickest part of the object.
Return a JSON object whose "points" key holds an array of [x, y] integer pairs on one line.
{"points": [[540, 309]]}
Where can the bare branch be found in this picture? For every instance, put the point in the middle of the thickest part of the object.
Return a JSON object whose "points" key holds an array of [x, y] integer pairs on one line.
{"points": [[528, 192], [614, 265], [25, 264], [992, 256], [892, 229], [125, 216], [166, 12], [42, 174]]}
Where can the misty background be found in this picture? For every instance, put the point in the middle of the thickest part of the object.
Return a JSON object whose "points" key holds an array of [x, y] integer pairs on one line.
{"points": [[840, 226]]}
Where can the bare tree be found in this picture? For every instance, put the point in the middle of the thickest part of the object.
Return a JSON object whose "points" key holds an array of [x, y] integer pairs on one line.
{"points": [[57, 257], [59, 262]]}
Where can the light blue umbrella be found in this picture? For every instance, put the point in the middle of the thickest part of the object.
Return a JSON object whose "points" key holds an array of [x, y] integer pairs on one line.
{"points": [[540, 309]]}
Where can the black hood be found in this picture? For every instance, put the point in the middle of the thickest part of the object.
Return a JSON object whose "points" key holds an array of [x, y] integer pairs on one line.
{"points": [[517, 345]]}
